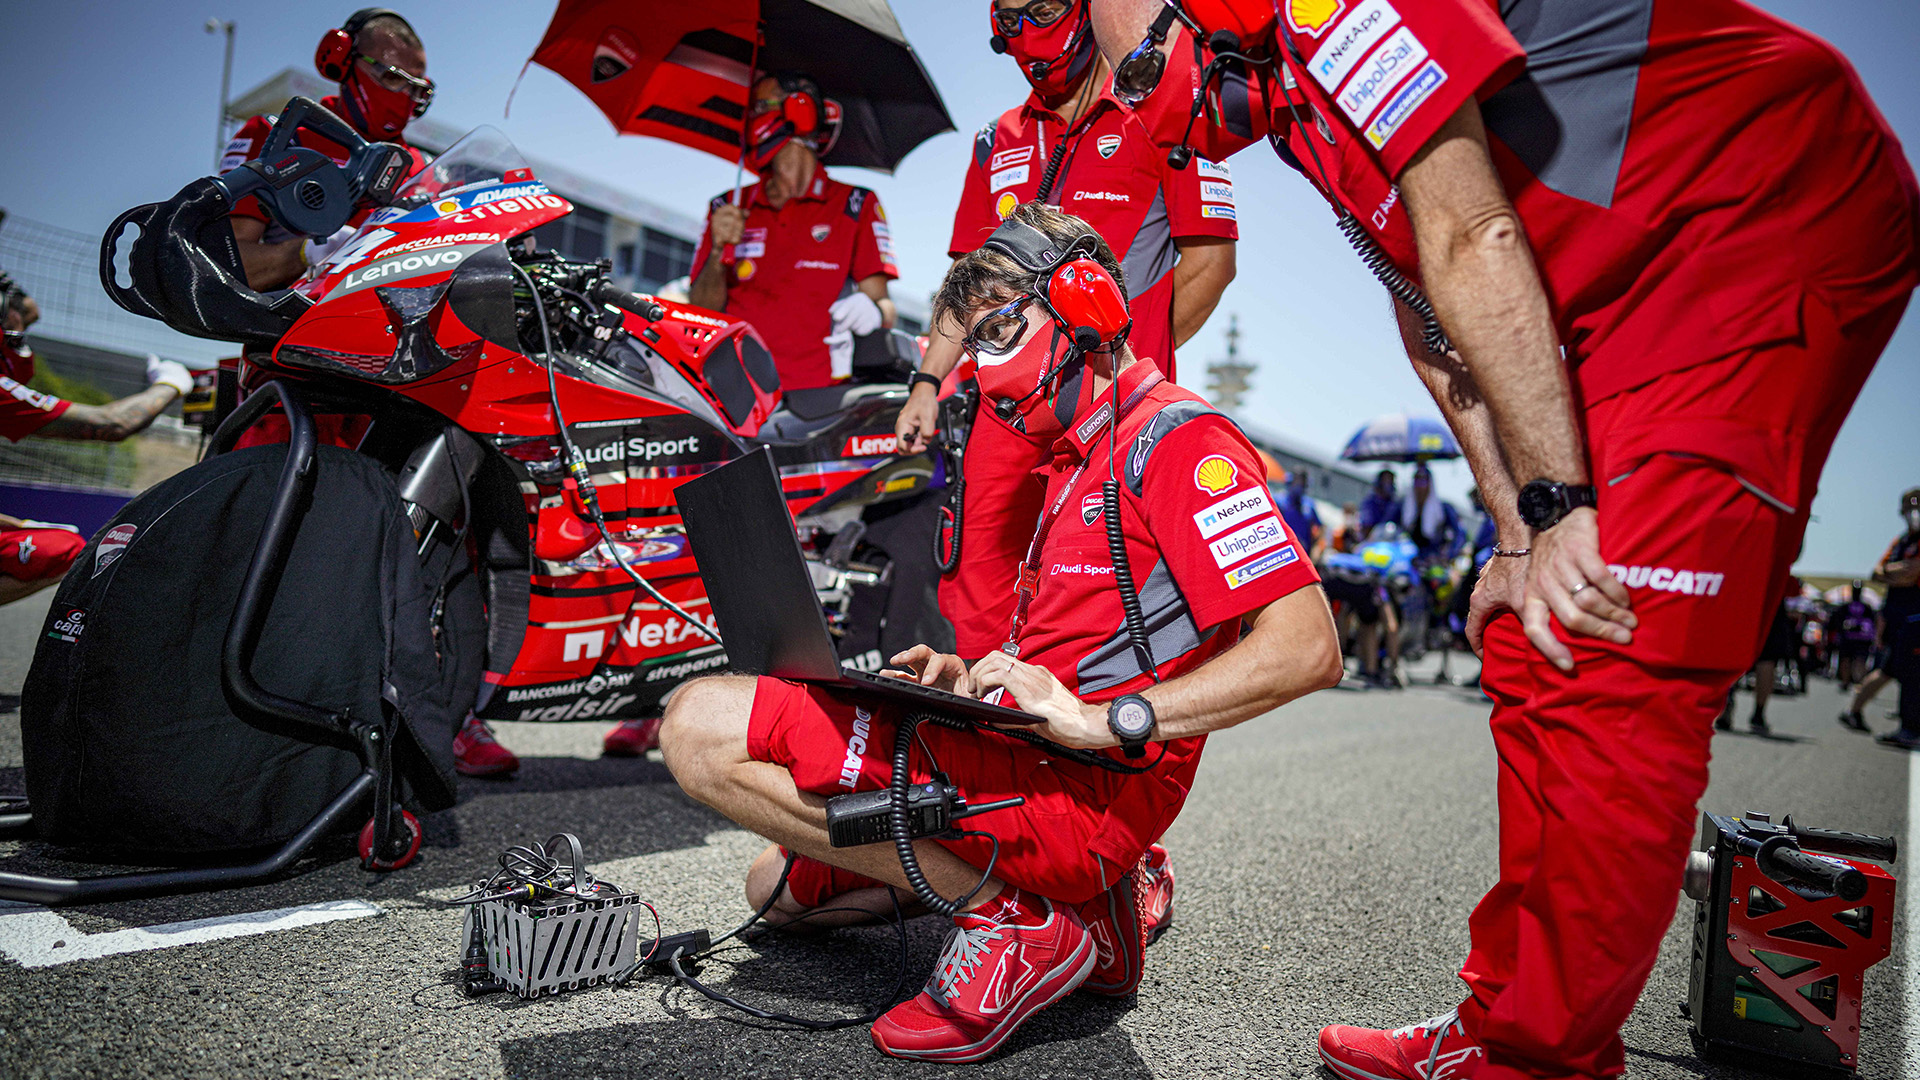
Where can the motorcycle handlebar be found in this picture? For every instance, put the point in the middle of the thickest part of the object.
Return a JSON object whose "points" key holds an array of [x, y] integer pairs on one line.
{"points": [[1780, 860], [605, 292], [1877, 848]]}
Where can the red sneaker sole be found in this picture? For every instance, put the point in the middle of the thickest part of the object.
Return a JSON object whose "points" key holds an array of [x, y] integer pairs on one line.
{"points": [[1065, 981], [1349, 1072]]}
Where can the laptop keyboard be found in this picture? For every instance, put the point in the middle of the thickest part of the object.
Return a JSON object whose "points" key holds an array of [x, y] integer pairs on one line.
{"points": [[975, 703]]}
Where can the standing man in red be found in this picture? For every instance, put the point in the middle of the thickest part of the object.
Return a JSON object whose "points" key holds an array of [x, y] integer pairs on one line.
{"points": [[1665, 242], [1075, 146], [381, 67], [811, 256]]}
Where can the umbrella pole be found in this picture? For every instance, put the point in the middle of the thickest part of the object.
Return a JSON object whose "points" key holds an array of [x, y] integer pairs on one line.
{"points": [[728, 257]]}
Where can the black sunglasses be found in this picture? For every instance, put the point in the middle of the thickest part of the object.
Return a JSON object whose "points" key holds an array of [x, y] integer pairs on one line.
{"points": [[1139, 72]]}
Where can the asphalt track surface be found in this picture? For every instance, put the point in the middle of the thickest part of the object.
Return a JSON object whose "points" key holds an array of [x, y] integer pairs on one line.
{"points": [[1326, 864]]}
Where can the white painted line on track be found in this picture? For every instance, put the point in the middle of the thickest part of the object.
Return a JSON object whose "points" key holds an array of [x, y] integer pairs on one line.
{"points": [[33, 936], [1912, 889]]}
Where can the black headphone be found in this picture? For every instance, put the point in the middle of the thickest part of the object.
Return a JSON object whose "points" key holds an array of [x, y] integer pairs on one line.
{"points": [[334, 58]]}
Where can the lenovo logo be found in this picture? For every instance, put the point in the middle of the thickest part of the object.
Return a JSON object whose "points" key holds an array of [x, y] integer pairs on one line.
{"points": [[869, 445]]}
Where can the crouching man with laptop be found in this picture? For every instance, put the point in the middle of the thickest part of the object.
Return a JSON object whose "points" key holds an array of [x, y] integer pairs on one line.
{"points": [[1075, 883]]}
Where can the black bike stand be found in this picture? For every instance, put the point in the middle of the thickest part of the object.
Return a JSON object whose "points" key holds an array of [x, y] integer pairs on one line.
{"points": [[390, 840]]}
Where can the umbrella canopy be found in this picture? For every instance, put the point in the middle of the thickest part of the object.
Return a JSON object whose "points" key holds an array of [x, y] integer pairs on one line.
{"points": [[681, 69], [1401, 437]]}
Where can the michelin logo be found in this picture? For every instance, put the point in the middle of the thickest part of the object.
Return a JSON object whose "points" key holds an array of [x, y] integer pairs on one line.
{"points": [[1395, 112], [1236, 509], [1262, 567]]}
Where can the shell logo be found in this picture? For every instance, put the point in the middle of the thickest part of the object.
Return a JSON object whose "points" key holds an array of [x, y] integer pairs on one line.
{"points": [[1312, 17], [447, 206], [744, 269], [1005, 205], [1215, 474]]}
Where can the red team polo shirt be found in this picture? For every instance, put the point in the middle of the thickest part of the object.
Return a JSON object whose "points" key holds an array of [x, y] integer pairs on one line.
{"points": [[794, 262], [1112, 175], [23, 411], [1655, 150], [1206, 546], [247, 142]]}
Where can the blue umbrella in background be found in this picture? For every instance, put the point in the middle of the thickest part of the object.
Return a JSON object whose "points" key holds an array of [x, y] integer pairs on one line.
{"points": [[1400, 437]]}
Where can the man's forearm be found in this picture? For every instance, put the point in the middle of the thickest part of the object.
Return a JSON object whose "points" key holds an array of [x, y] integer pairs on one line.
{"points": [[1454, 389], [1291, 651], [709, 288], [1480, 275], [115, 420], [1205, 269]]}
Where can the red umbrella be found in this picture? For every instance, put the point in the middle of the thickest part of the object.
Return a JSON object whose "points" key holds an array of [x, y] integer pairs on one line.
{"points": [[680, 70]]}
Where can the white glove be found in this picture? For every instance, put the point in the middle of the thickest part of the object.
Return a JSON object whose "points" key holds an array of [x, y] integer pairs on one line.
{"points": [[855, 313], [317, 250], [171, 372]]}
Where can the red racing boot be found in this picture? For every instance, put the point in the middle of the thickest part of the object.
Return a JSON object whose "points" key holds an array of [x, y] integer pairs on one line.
{"points": [[1437, 1049], [476, 753], [1124, 920], [1004, 961], [632, 738]]}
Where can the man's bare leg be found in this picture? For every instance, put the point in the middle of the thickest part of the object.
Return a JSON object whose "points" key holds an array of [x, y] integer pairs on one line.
{"points": [[704, 741], [858, 907]]}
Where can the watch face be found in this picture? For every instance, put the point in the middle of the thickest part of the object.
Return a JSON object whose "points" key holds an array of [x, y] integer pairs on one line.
{"points": [[1131, 719], [1539, 503]]}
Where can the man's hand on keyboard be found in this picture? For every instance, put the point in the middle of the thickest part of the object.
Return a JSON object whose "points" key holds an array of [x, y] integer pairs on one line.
{"points": [[941, 671], [1070, 722]]}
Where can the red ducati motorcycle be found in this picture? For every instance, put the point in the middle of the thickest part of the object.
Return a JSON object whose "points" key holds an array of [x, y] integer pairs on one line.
{"points": [[538, 419]]}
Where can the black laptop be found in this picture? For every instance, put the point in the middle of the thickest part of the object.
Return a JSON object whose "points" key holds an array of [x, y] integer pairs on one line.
{"points": [[763, 598]]}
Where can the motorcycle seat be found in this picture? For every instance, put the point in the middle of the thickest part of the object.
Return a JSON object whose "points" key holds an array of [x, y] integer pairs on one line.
{"points": [[820, 402]]}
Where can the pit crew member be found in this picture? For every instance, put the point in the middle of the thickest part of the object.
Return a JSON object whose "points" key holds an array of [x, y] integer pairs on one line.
{"points": [[381, 67], [1209, 551], [36, 554], [1073, 145], [1664, 243], [810, 256]]}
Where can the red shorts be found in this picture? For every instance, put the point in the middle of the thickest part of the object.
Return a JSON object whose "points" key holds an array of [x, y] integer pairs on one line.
{"points": [[833, 747], [1003, 503], [38, 554]]}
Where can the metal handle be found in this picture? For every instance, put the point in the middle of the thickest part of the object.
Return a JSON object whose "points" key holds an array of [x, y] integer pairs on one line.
{"points": [[1780, 860]]}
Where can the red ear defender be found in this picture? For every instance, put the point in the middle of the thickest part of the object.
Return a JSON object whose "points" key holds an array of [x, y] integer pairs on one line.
{"points": [[334, 58], [802, 112], [1084, 296]]}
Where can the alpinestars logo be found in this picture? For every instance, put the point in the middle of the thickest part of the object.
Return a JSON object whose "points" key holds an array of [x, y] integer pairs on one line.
{"points": [[1004, 988], [1447, 1066], [856, 748]]}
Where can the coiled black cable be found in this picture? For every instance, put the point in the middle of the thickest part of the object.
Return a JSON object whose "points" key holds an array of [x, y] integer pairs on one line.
{"points": [[1123, 577], [1397, 285], [946, 551]]}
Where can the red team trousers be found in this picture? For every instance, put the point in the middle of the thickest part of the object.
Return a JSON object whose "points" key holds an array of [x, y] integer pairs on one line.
{"points": [[1600, 770]]}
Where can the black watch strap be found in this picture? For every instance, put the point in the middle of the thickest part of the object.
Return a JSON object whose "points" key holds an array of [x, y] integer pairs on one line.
{"points": [[919, 377], [1544, 503]]}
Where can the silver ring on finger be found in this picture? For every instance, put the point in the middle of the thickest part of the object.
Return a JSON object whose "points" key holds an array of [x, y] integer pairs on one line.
{"points": [[1575, 591]]}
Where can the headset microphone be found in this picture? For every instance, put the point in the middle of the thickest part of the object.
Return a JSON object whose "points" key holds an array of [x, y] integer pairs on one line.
{"points": [[1005, 408], [1038, 69], [998, 44], [1224, 41], [1086, 338]]}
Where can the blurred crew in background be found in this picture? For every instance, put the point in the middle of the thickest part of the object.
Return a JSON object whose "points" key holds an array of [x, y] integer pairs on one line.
{"points": [[1073, 145], [1856, 626], [803, 257], [1349, 537], [36, 554], [1380, 504], [1296, 506], [381, 69], [1645, 254], [1899, 571], [1428, 520]]}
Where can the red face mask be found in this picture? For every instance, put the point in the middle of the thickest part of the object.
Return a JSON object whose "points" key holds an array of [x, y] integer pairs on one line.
{"points": [[766, 134], [380, 113], [1026, 387], [1053, 58]]}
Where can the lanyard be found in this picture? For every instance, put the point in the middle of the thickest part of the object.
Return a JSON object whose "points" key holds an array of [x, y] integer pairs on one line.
{"points": [[1030, 569]]}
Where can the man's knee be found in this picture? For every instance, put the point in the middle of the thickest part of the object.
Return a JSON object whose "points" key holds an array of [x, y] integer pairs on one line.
{"points": [[705, 729]]}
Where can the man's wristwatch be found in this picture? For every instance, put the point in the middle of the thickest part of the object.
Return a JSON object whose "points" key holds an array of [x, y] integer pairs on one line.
{"points": [[1544, 502], [1130, 718], [919, 377]]}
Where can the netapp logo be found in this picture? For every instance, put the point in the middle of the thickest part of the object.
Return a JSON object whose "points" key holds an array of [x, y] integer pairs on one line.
{"points": [[856, 748]]}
